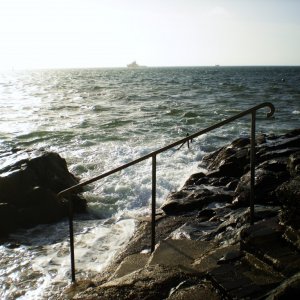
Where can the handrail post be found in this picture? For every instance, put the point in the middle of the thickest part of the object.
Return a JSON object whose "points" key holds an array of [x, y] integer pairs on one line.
{"points": [[252, 166], [71, 231], [153, 203]]}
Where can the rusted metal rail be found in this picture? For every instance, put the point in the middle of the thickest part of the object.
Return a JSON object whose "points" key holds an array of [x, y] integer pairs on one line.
{"points": [[152, 155]]}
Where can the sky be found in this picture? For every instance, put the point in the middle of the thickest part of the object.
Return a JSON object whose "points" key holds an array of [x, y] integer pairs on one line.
{"points": [[113, 33]]}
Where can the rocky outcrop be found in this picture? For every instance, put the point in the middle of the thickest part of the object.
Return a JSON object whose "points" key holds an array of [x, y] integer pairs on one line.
{"points": [[227, 179], [205, 246], [29, 183]]}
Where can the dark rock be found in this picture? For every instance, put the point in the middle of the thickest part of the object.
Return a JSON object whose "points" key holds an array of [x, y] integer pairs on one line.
{"points": [[292, 236], [40, 206], [289, 289], [274, 165], [294, 164], [29, 183], [230, 257], [184, 201], [284, 142], [195, 178], [206, 214], [263, 155], [219, 181], [289, 195], [264, 240], [230, 160], [292, 133], [232, 184], [8, 218], [238, 285], [265, 183]]}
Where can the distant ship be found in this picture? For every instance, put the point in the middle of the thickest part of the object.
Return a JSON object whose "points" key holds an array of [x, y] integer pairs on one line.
{"points": [[134, 65]]}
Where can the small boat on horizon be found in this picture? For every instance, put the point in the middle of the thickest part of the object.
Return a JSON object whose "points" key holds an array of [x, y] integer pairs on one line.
{"points": [[135, 65]]}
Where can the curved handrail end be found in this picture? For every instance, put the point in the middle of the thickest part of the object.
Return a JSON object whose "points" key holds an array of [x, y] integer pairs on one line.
{"points": [[272, 109]]}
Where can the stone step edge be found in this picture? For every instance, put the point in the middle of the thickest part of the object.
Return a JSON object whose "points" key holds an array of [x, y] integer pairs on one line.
{"points": [[262, 257]]}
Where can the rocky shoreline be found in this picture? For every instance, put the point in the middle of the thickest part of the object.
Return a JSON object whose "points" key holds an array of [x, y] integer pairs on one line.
{"points": [[206, 248]]}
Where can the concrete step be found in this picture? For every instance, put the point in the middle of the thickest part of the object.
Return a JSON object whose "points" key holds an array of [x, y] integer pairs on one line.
{"points": [[130, 264], [181, 253]]}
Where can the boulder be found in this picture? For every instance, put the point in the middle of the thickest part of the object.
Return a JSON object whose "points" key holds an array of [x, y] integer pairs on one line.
{"points": [[289, 195], [29, 183]]}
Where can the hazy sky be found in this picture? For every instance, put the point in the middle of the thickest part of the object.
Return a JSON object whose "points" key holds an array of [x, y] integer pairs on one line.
{"points": [[113, 33]]}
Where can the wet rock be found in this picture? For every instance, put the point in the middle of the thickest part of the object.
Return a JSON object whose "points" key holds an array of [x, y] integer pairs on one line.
{"points": [[289, 289], [29, 183], [8, 218], [195, 179], [230, 160], [237, 285], [230, 257], [292, 236], [203, 290], [289, 141], [294, 164], [40, 205], [197, 198], [232, 185], [264, 240], [206, 214], [289, 195], [263, 155], [266, 181], [275, 165]]}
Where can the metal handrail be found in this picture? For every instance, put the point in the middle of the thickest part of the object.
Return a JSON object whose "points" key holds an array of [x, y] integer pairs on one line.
{"points": [[153, 155]]}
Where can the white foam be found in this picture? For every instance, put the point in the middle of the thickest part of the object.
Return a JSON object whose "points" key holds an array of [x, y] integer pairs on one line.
{"points": [[42, 270]]}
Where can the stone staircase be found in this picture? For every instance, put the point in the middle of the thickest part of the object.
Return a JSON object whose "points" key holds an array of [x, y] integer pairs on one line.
{"points": [[252, 269]]}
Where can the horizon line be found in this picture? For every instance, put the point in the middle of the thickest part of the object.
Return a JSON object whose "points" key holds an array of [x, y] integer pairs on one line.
{"points": [[145, 67]]}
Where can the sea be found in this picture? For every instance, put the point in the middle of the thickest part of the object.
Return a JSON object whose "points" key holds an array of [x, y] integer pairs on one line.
{"points": [[99, 119]]}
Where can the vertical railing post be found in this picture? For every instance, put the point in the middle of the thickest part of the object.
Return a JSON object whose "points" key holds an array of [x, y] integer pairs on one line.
{"points": [[153, 203], [71, 231], [252, 166]]}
